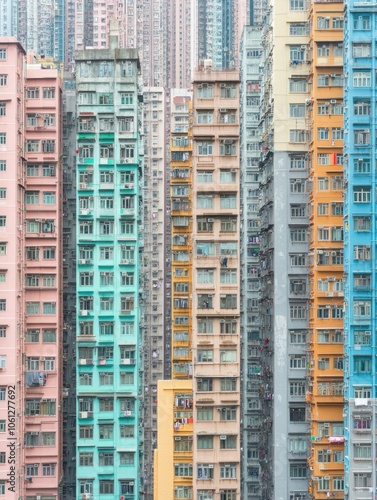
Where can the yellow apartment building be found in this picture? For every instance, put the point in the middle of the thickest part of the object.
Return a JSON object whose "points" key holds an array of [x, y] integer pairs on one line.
{"points": [[325, 367]]}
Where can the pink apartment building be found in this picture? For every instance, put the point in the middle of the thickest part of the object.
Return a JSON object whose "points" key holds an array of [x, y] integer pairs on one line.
{"points": [[30, 277]]}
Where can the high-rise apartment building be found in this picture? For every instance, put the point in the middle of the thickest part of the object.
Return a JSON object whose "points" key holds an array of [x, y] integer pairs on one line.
{"points": [[109, 257], [179, 44], [218, 26], [324, 111], [155, 335], [12, 328], [8, 18], [215, 284], [360, 248], [143, 25], [173, 462], [31, 301], [252, 350], [284, 227], [43, 281]]}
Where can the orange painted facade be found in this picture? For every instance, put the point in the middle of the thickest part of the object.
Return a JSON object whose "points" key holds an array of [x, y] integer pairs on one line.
{"points": [[325, 365]]}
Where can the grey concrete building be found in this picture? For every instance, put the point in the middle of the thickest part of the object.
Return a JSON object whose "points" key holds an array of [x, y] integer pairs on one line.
{"points": [[252, 404]]}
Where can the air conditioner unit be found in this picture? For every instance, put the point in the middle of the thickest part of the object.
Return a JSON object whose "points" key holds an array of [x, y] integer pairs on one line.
{"points": [[84, 312], [326, 478], [333, 101], [85, 496], [222, 320], [82, 186], [211, 220], [222, 437], [84, 212], [303, 47], [125, 261], [82, 261], [83, 414], [331, 278], [223, 110]]}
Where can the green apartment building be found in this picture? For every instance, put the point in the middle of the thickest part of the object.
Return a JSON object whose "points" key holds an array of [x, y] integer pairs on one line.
{"points": [[109, 252]]}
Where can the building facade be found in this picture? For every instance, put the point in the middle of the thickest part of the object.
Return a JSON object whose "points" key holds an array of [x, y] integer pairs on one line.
{"points": [[215, 285], [12, 165], [43, 280], [109, 256], [359, 249], [31, 172], [324, 110], [155, 335], [252, 351], [284, 226], [218, 26]]}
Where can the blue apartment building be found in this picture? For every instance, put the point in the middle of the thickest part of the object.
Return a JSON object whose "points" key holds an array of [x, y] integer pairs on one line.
{"points": [[360, 248], [109, 252]]}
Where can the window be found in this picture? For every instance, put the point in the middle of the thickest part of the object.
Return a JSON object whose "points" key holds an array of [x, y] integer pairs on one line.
{"points": [[297, 135], [362, 479], [360, 49], [228, 384], [228, 442], [48, 469], [205, 413], [204, 177], [298, 471], [3, 165], [106, 458], [297, 86], [297, 361], [298, 29], [228, 471], [337, 134], [362, 337], [106, 487], [205, 148], [106, 378], [204, 355], [3, 80], [323, 23], [228, 413], [323, 50], [183, 470], [228, 147], [362, 22], [127, 458], [230, 494], [204, 117], [205, 384], [227, 176], [362, 194], [323, 133], [204, 201], [296, 5], [228, 201], [205, 442], [297, 388], [363, 391], [297, 414], [361, 79], [227, 91], [362, 364], [49, 308], [361, 224], [3, 138]]}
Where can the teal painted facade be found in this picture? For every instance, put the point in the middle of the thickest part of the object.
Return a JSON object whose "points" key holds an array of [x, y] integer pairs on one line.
{"points": [[109, 252]]}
